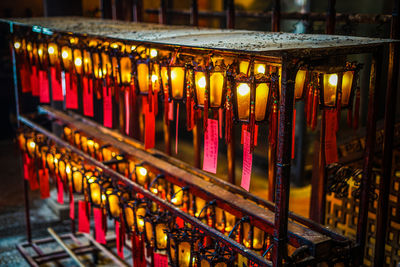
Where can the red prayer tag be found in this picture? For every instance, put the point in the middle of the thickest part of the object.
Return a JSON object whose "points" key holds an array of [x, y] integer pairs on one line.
{"points": [[247, 161], [71, 205], [33, 182], [127, 111], [171, 110], [220, 118], [211, 146], [99, 225], [25, 79], [87, 97], [255, 135], [44, 87], [35, 81], [149, 138], [180, 222], [331, 154], [71, 91], [119, 233], [56, 85], [44, 183], [26, 161], [160, 260], [107, 107], [83, 217], [60, 190]]}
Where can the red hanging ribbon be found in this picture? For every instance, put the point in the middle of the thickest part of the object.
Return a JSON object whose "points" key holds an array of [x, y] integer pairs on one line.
{"points": [[44, 87], [87, 97], [83, 217], [107, 107], [60, 190], [35, 81], [309, 106], [149, 138], [315, 109], [56, 87], [44, 183], [25, 78], [120, 238], [71, 204], [331, 154], [100, 233], [71, 91]]}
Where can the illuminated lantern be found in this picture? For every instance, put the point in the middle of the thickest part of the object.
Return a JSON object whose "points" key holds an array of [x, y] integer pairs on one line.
{"points": [[200, 86], [158, 186], [52, 50], [259, 68], [215, 256], [262, 97], [148, 72], [299, 84], [31, 147], [242, 94], [87, 62], [141, 174], [22, 141], [42, 54], [156, 226], [66, 57], [181, 246], [177, 195], [96, 185], [125, 73], [253, 237], [77, 178], [350, 76], [78, 61], [112, 202]]}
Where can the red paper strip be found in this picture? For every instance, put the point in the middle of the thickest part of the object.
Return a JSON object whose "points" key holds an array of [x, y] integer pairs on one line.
{"points": [[176, 128], [33, 179], [87, 97], [35, 81], [120, 236], [331, 154], [211, 146], [60, 190], [71, 205], [127, 111], [44, 183], [44, 87], [99, 225], [171, 110], [293, 132], [160, 260], [56, 85], [83, 217], [71, 91], [107, 107], [255, 135], [25, 79], [247, 161], [180, 222], [220, 118], [150, 121], [27, 162]]}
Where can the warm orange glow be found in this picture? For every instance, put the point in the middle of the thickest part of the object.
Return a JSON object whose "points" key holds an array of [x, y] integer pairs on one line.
{"points": [[262, 91], [243, 101], [17, 45], [177, 82]]}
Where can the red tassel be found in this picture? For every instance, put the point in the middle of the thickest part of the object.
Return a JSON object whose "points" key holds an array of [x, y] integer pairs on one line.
{"points": [[331, 154], [205, 111], [309, 105], [356, 116], [188, 112], [228, 124]]}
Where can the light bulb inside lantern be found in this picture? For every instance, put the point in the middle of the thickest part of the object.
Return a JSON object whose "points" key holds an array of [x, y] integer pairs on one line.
{"points": [[154, 78], [333, 79], [17, 45], [143, 171], [50, 50], [153, 53], [201, 82], [64, 54], [261, 69], [78, 62], [32, 144], [243, 89], [40, 52]]}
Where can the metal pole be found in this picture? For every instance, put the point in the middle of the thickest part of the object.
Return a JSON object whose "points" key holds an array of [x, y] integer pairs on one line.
{"points": [[162, 15], [375, 78], [230, 14], [276, 16], [390, 112], [283, 162], [194, 13], [137, 11], [331, 17]]}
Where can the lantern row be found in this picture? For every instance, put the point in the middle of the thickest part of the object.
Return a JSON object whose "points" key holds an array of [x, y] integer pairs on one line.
{"points": [[141, 218], [247, 89]]}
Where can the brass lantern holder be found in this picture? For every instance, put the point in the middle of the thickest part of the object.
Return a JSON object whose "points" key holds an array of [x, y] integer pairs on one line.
{"points": [[178, 236], [156, 226], [215, 255]]}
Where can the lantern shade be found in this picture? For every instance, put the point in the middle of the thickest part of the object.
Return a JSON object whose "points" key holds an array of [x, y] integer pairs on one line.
{"points": [[95, 191], [178, 75], [129, 216], [243, 100], [329, 92], [106, 64], [52, 50], [244, 66], [261, 100], [66, 56], [78, 61], [259, 68], [140, 212], [299, 84], [126, 70], [143, 71], [113, 203], [200, 85], [347, 86], [181, 245], [258, 239], [87, 62], [141, 175], [155, 77], [77, 180], [217, 82], [97, 70]]}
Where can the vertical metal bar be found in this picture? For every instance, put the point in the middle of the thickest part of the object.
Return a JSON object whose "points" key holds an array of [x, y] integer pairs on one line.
{"points": [[162, 15], [137, 11], [17, 112], [375, 77], [283, 162], [331, 17], [194, 13], [231, 157], [276, 16], [230, 14], [390, 111]]}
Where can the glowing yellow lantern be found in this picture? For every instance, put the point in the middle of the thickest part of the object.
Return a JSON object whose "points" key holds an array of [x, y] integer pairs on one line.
{"points": [[52, 50], [300, 84]]}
